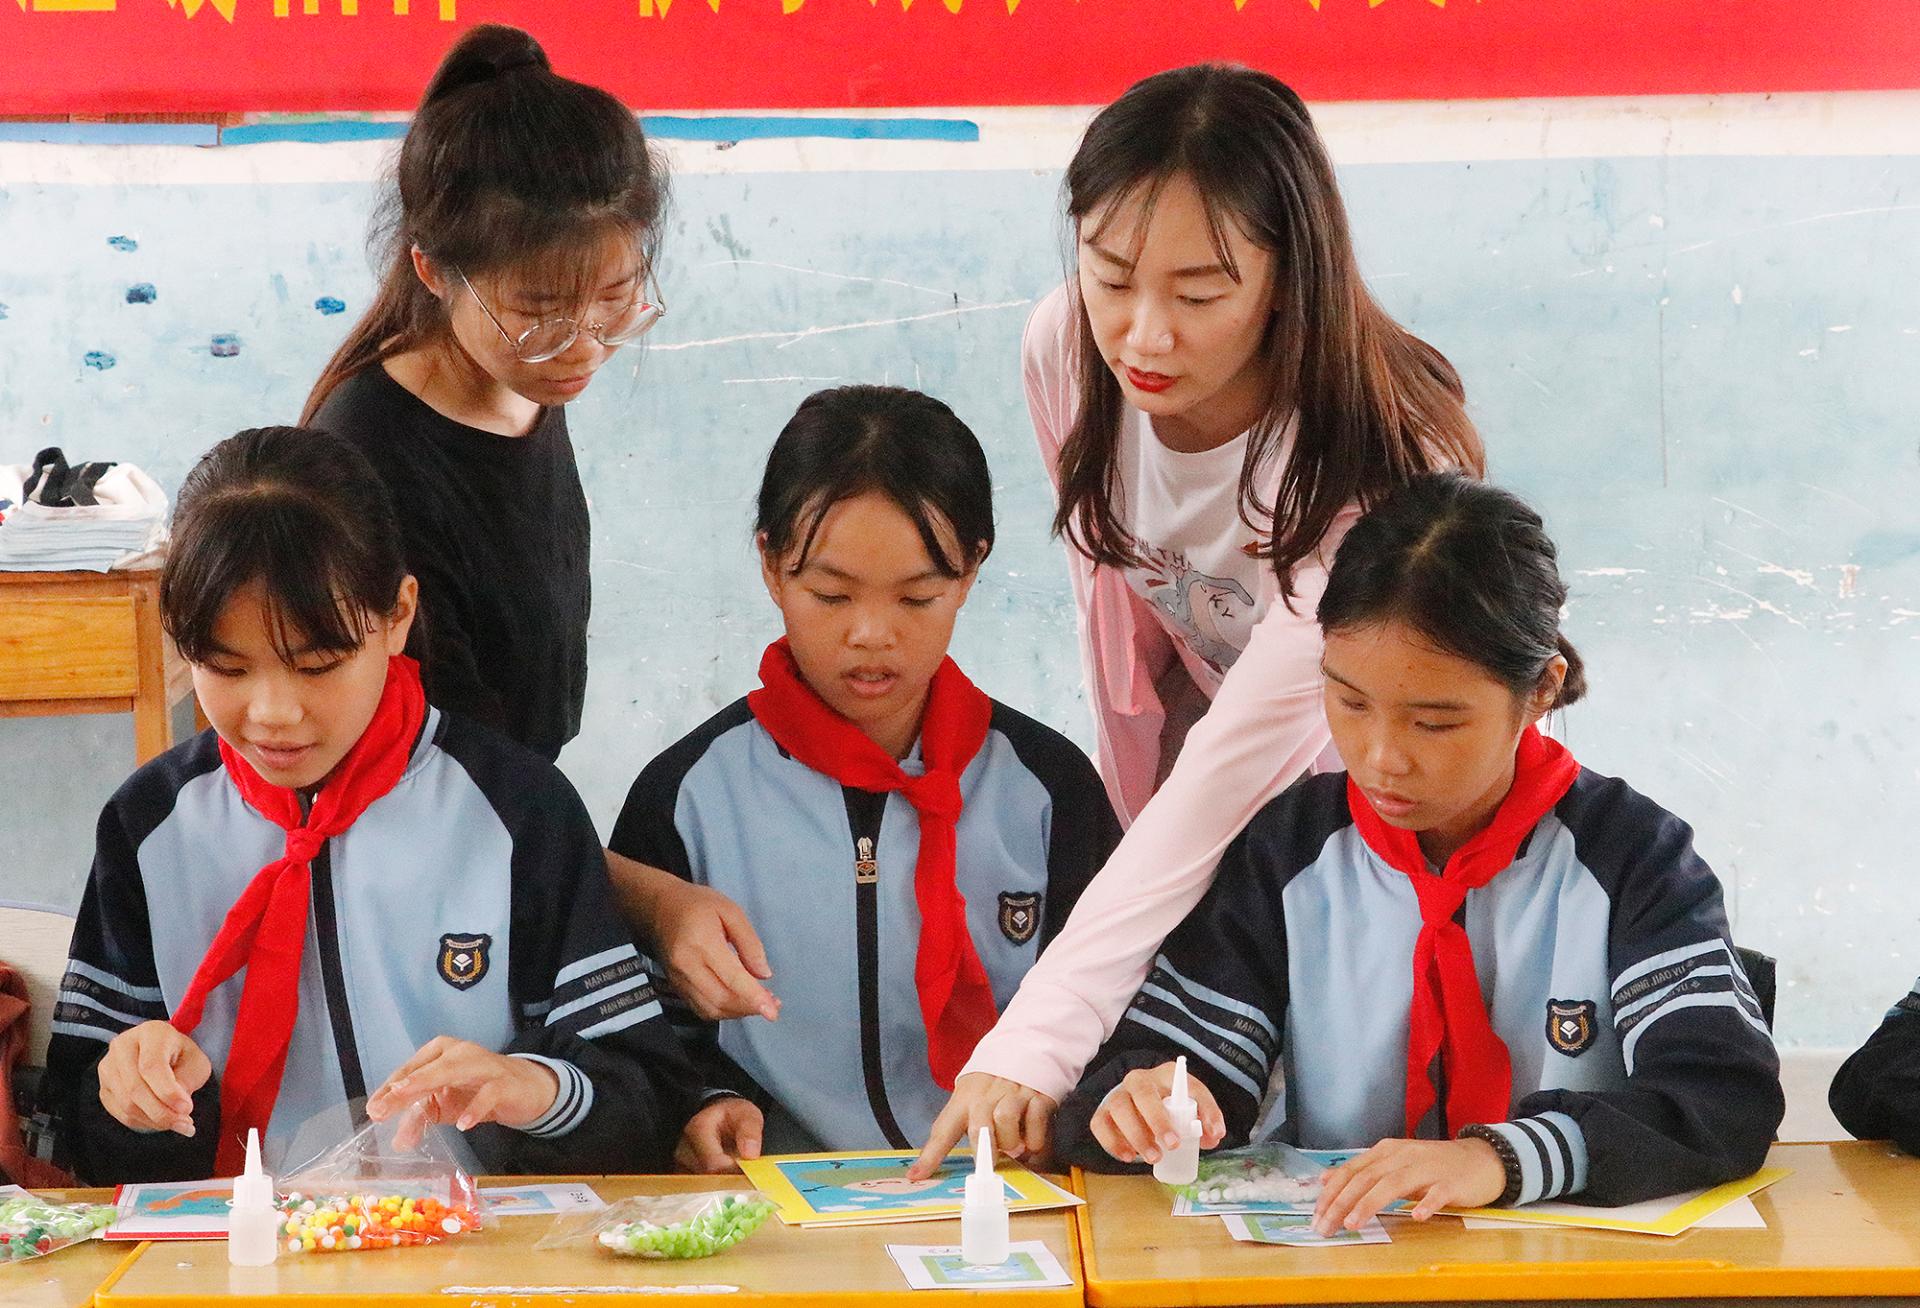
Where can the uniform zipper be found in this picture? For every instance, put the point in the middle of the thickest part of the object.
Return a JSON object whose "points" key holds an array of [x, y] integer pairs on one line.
{"points": [[864, 813]]}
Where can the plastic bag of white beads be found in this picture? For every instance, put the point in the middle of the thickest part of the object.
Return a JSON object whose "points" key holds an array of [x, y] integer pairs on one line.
{"points": [[31, 1227], [1269, 1173], [385, 1185], [695, 1225]]}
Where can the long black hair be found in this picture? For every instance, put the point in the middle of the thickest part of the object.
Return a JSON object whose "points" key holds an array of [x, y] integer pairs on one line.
{"points": [[303, 513], [907, 446], [1470, 568], [506, 165], [1376, 404]]}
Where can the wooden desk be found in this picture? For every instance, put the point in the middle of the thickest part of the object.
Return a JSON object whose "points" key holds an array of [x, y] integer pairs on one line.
{"points": [[1846, 1223], [65, 1279], [90, 642], [499, 1267]]}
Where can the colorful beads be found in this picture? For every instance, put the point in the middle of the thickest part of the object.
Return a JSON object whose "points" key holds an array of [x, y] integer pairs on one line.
{"points": [[30, 1227], [343, 1223], [720, 1226]]}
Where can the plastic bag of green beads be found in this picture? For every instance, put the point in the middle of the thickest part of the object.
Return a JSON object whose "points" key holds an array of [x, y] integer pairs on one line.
{"points": [[696, 1225], [32, 1228]]}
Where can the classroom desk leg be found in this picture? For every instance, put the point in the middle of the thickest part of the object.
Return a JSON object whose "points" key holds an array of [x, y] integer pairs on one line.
{"points": [[152, 721]]}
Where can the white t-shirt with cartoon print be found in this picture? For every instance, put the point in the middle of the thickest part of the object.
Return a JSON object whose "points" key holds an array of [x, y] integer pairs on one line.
{"points": [[1202, 579]]}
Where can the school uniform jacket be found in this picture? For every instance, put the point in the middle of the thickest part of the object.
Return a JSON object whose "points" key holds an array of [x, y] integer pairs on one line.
{"points": [[826, 874], [1876, 1094], [1641, 1064], [471, 901]]}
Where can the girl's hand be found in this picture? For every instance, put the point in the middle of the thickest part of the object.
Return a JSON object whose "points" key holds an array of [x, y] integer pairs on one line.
{"points": [[1435, 1174], [149, 1076], [1020, 1118], [466, 1084], [713, 956], [1132, 1123], [718, 1136]]}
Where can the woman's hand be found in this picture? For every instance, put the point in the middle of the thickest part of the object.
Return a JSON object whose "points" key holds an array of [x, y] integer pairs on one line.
{"points": [[713, 956], [1021, 1119], [1132, 1124], [465, 1084], [1435, 1174], [719, 1136], [149, 1076]]}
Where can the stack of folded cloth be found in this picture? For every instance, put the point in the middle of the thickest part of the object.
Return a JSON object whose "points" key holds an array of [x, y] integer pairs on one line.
{"points": [[89, 516]]}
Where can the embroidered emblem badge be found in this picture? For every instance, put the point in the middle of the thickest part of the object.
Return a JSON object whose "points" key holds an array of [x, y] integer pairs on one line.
{"points": [[1019, 916], [1571, 1026], [463, 960]]}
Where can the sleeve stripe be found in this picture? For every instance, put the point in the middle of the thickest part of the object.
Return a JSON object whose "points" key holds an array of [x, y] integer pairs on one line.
{"points": [[1653, 998], [621, 1021], [83, 1032], [1218, 1000], [1623, 983], [149, 994], [74, 999], [597, 997], [1168, 997], [1552, 1151], [1532, 1162], [570, 1106], [1186, 1041], [1721, 999], [605, 958], [1573, 1149], [1553, 1176]]}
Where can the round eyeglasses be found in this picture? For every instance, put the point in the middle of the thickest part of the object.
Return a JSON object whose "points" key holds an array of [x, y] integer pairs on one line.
{"points": [[550, 337]]}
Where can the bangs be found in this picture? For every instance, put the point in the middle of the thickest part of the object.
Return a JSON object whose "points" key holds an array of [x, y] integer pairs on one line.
{"points": [[1147, 190], [270, 536], [563, 259], [926, 519]]}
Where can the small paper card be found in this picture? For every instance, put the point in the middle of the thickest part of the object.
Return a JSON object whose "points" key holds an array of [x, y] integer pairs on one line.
{"points": [[1668, 1216], [1297, 1230], [1185, 1205], [870, 1187], [11, 1192], [175, 1210], [537, 1200], [1030, 1265]]}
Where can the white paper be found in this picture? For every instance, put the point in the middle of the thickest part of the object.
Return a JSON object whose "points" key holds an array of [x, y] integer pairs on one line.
{"points": [[1740, 1215], [539, 1200], [1030, 1265], [1297, 1232], [11, 1192]]}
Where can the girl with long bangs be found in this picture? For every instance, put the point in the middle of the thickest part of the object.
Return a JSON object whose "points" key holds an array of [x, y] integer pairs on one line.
{"points": [[518, 241], [1216, 396], [341, 890]]}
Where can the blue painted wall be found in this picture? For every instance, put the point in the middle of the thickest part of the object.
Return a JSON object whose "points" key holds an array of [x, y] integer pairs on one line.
{"points": [[1705, 370]]}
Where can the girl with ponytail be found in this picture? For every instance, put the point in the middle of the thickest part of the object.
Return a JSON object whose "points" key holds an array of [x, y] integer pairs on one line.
{"points": [[517, 242]]}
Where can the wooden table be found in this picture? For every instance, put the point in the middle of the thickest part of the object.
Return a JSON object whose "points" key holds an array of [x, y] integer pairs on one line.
{"points": [[65, 1279], [499, 1267], [90, 642], [1846, 1223]]}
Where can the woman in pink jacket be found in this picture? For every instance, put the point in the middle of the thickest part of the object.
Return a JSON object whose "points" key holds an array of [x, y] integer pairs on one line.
{"points": [[1216, 396]]}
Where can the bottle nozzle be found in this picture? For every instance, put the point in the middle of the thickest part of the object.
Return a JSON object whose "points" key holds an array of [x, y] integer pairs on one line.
{"points": [[253, 1152], [1180, 1095], [983, 1153]]}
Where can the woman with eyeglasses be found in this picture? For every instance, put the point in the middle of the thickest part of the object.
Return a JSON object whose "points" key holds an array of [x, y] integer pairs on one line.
{"points": [[517, 238]]}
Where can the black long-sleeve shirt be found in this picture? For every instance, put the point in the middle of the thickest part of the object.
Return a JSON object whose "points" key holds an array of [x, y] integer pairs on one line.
{"points": [[1877, 1091], [496, 530]]}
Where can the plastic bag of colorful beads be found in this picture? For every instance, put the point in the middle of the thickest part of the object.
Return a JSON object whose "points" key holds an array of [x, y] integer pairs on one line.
{"points": [[32, 1228], [1273, 1172], [387, 1185], [696, 1225]]}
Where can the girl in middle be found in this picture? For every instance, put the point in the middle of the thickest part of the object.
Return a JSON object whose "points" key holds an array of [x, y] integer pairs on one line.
{"points": [[906, 844]]}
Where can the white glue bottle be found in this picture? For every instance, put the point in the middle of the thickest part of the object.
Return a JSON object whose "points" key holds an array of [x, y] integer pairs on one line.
{"points": [[1180, 1165], [253, 1229], [983, 1213]]}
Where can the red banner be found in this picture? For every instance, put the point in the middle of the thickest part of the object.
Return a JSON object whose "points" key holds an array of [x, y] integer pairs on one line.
{"points": [[215, 56]]}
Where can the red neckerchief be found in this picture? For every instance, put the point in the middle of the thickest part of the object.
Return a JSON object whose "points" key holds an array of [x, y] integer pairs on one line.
{"points": [[1449, 1014], [266, 929], [956, 998]]}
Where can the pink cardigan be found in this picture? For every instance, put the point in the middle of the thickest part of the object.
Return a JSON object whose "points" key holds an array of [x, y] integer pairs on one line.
{"points": [[1265, 728]]}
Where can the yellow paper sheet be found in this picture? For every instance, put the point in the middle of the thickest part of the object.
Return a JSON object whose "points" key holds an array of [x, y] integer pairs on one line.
{"points": [[1669, 1216]]}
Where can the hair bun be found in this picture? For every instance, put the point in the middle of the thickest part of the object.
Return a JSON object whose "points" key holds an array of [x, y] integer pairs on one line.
{"points": [[486, 52]]}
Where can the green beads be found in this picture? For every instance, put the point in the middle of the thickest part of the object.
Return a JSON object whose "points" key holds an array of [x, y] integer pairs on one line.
{"points": [[30, 1227], [722, 1224]]}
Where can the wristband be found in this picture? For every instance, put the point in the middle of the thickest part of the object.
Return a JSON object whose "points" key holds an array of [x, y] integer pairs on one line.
{"points": [[1509, 1159]]}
